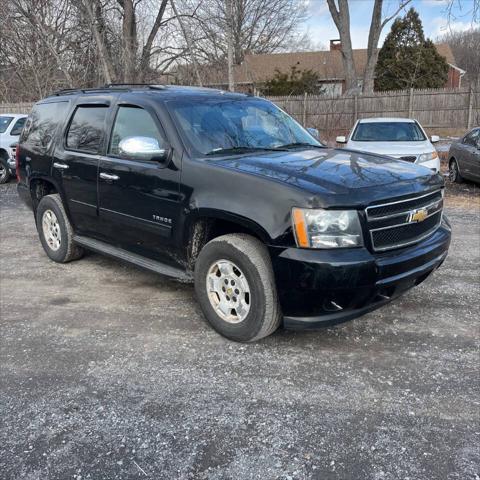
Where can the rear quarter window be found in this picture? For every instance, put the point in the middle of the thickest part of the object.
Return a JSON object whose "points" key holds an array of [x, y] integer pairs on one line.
{"points": [[41, 125]]}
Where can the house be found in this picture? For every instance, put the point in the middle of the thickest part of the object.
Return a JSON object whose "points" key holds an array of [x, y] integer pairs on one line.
{"points": [[256, 69]]}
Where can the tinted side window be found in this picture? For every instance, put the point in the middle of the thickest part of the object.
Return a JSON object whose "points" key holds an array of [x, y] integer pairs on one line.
{"points": [[133, 122], [471, 138], [17, 128], [41, 125], [86, 129]]}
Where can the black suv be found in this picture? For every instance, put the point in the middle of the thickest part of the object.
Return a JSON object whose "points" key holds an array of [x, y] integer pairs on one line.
{"points": [[228, 191]]}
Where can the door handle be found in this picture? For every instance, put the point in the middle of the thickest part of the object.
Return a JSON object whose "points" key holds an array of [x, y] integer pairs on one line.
{"points": [[108, 176], [61, 166]]}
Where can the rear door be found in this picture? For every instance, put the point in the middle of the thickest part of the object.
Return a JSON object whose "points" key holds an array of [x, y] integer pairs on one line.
{"points": [[75, 164], [139, 201], [38, 138]]}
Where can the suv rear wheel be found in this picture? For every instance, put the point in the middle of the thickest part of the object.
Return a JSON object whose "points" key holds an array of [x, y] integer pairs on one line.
{"points": [[55, 231], [235, 286]]}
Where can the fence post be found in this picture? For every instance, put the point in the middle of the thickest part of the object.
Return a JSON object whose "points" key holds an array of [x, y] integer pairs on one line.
{"points": [[410, 103], [304, 113], [470, 108], [355, 108]]}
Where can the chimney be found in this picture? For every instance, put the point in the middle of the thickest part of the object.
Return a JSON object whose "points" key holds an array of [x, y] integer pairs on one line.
{"points": [[335, 44]]}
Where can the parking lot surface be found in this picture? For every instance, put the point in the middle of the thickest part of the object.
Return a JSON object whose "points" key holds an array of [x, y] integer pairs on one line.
{"points": [[109, 372]]}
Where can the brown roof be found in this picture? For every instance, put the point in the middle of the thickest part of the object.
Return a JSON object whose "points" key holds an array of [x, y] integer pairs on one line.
{"points": [[327, 63]]}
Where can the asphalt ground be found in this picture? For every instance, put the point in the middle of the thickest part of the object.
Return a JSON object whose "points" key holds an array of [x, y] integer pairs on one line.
{"points": [[110, 372]]}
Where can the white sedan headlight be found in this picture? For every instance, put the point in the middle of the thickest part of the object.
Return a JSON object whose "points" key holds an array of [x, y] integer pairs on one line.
{"points": [[318, 228], [426, 157]]}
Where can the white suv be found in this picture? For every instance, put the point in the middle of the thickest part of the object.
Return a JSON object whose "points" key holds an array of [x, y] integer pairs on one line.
{"points": [[11, 125], [401, 138]]}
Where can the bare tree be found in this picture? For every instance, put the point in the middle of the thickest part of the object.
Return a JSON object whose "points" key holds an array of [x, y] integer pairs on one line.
{"points": [[231, 85], [465, 47], [376, 27], [186, 35], [257, 26], [341, 16], [340, 13], [97, 24]]}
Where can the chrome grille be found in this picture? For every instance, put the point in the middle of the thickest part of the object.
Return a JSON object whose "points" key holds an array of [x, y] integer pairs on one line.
{"points": [[400, 223]]}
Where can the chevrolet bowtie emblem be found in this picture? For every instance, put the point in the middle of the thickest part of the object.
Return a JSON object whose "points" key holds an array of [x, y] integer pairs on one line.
{"points": [[416, 216]]}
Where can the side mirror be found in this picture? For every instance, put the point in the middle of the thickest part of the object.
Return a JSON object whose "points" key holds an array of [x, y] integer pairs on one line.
{"points": [[313, 132], [434, 138], [341, 139], [142, 148]]}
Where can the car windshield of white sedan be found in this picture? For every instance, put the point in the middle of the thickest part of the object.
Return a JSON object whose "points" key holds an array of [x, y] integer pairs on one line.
{"points": [[388, 132], [4, 123], [214, 127]]}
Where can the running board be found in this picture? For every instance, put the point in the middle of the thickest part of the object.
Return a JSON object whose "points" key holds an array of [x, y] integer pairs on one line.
{"points": [[142, 262]]}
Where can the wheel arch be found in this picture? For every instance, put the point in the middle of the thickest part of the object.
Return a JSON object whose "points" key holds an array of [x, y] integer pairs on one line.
{"points": [[453, 158], [203, 225], [40, 186]]}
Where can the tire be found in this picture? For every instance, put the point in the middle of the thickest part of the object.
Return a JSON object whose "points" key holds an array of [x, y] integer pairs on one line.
{"points": [[52, 226], [244, 262], [4, 171], [454, 171]]}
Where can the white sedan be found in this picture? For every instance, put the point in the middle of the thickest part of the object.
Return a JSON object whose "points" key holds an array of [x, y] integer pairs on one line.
{"points": [[401, 138]]}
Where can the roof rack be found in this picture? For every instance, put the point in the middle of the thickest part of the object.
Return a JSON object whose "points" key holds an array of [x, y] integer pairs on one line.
{"points": [[126, 85], [108, 86]]}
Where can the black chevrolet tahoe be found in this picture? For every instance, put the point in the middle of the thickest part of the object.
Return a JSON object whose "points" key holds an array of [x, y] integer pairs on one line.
{"points": [[228, 191]]}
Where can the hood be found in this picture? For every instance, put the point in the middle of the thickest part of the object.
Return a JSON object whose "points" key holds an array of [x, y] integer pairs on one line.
{"points": [[395, 149], [337, 176]]}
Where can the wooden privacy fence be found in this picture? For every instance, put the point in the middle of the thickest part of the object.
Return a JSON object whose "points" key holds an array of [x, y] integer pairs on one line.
{"points": [[453, 109]]}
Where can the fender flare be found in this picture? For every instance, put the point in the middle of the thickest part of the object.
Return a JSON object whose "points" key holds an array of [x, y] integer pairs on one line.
{"points": [[217, 214]]}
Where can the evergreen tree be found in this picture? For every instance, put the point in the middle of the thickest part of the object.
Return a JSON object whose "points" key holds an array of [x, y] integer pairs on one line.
{"points": [[409, 60]]}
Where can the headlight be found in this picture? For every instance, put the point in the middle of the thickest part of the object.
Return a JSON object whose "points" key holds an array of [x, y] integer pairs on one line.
{"points": [[316, 228], [426, 157]]}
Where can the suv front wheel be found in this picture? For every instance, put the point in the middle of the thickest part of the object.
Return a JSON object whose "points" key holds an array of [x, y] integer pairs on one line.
{"points": [[235, 286], [454, 171], [55, 231]]}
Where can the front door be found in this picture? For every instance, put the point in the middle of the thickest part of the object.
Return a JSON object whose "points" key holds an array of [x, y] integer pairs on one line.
{"points": [[139, 201]]}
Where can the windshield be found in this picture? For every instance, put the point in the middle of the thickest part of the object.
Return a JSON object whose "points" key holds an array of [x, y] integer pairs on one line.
{"points": [[4, 123], [388, 132], [214, 126]]}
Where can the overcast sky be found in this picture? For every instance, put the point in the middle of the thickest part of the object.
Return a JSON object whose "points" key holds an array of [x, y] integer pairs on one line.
{"points": [[433, 14]]}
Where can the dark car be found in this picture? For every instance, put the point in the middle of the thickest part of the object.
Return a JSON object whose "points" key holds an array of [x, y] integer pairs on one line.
{"points": [[464, 157], [228, 191]]}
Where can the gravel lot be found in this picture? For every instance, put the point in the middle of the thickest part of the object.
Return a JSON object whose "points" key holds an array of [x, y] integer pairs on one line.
{"points": [[109, 372]]}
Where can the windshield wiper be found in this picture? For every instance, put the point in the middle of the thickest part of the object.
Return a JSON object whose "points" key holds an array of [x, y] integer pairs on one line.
{"points": [[299, 144], [219, 151]]}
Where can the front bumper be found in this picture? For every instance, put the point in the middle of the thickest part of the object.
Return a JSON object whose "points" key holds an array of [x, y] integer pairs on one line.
{"points": [[324, 287]]}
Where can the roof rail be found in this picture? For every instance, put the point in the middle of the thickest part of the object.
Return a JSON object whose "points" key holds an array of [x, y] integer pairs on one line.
{"points": [[126, 85], [108, 86]]}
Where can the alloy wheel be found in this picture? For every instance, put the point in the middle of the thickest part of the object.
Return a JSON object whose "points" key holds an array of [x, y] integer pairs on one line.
{"points": [[51, 230], [228, 291]]}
